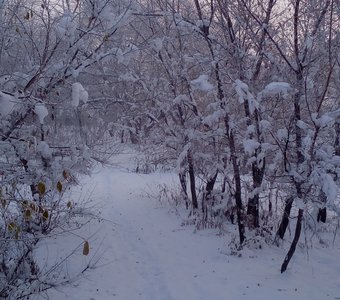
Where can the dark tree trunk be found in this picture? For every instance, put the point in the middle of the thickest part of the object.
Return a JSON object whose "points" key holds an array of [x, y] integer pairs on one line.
{"points": [[253, 203], [300, 158], [121, 136], [183, 181], [294, 243], [237, 178], [210, 184], [192, 182], [285, 218], [337, 144], [229, 135], [322, 215], [337, 139], [207, 195], [253, 210], [257, 173], [224, 185]]}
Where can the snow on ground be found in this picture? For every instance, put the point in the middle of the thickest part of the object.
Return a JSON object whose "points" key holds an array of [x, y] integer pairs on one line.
{"points": [[145, 254]]}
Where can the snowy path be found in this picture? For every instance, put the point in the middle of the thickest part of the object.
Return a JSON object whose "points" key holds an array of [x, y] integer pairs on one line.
{"points": [[147, 255], [152, 256]]}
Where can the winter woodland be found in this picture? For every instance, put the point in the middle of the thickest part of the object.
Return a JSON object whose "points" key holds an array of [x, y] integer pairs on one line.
{"points": [[238, 98]]}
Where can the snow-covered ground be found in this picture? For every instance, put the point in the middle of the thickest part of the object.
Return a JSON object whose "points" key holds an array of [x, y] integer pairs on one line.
{"points": [[145, 253]]}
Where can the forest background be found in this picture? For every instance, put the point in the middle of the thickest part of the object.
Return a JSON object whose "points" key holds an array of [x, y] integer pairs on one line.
{"points": [[240, 98]]}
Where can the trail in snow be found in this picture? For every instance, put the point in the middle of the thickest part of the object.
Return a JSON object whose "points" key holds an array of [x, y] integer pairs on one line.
{"points": [[146, 255]]}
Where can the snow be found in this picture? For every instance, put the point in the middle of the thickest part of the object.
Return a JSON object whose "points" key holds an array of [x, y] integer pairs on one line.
{"points": [[329, 187], [309, 42], [66, 27], [274, 88], [180, 99], [251, 129], [128, 77], [157, 44], [243, 92], [145, 254], [7, 103], [123, 18], [78, 94], [324, 120], [301, 125], [124, 57], [202, 83], [120, 56], [250, 146], [335, 115], [44, 149], [282, 134], [265, 125], [213, 118], [108, 14], [41, 112], [182, 157]]}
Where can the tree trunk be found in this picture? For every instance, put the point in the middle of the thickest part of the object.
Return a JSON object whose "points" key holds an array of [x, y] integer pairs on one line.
{"points": [[300, 157], [253, 210], [183, 181], [229, 131], [322, 215], [192, 182], [207, 195], [285, 218], [337, 139], [237, 178], [294, 243], [337, 144], [257, 170]]}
